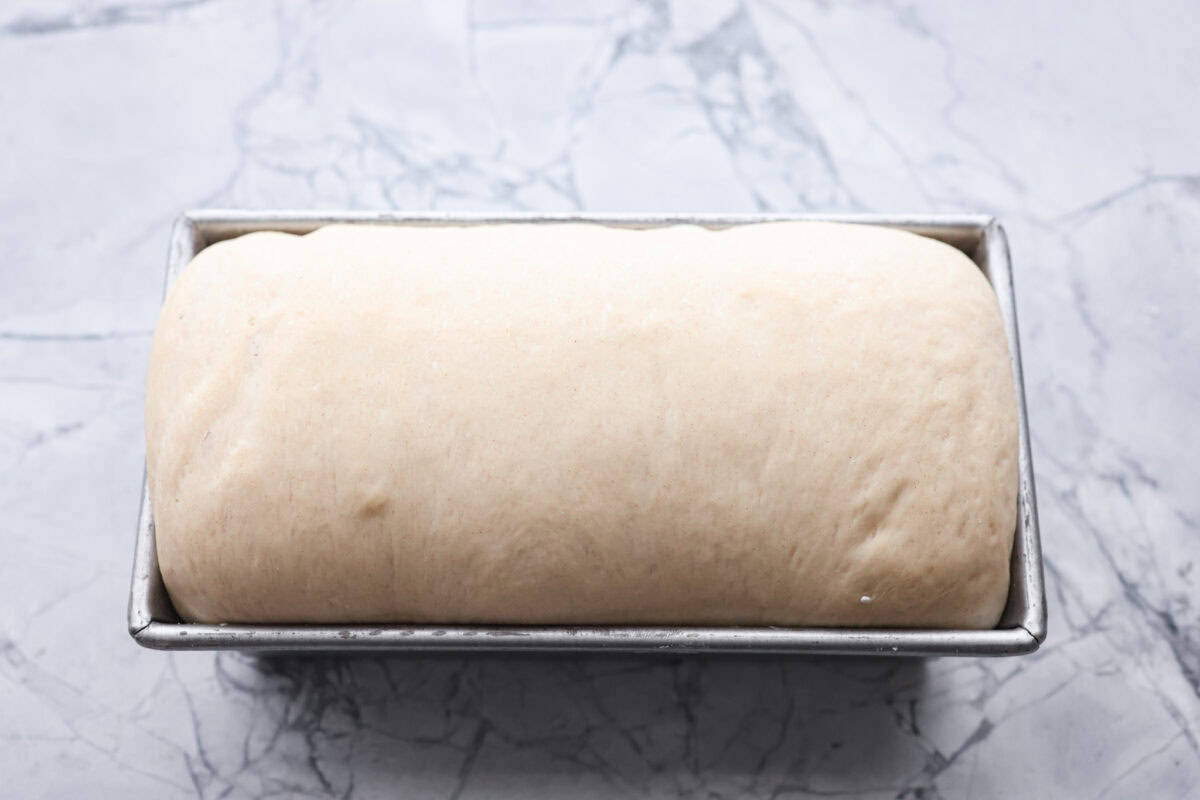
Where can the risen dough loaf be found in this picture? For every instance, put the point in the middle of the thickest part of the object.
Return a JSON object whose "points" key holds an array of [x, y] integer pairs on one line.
{"points": [[789, 423]]}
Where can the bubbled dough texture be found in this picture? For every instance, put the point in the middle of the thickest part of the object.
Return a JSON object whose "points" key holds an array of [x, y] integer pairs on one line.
{"points": [[573, 423]]}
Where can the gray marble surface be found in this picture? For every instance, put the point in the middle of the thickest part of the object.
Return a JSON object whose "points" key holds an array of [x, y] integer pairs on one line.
{"points": [[1076, 127]]}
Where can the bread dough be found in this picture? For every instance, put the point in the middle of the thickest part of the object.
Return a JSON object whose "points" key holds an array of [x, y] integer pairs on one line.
{"points": [[790, 423]]}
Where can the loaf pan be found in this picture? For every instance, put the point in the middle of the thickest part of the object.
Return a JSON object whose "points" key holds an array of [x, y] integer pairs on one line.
{"points": [[154, 623]]}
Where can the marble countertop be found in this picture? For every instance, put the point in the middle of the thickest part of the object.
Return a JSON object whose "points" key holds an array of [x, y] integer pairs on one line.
{"points": [[1072, 127]]}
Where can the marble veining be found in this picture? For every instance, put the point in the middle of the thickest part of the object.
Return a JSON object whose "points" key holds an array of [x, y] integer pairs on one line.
{"points": [[1071, 126]]}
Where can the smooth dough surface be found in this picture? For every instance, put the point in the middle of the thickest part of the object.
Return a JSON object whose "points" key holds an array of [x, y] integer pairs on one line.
{"points": [[790, 423]]}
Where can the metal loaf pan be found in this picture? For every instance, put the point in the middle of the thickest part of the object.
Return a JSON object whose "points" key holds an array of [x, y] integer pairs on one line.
{"points": [[154, 623]]}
